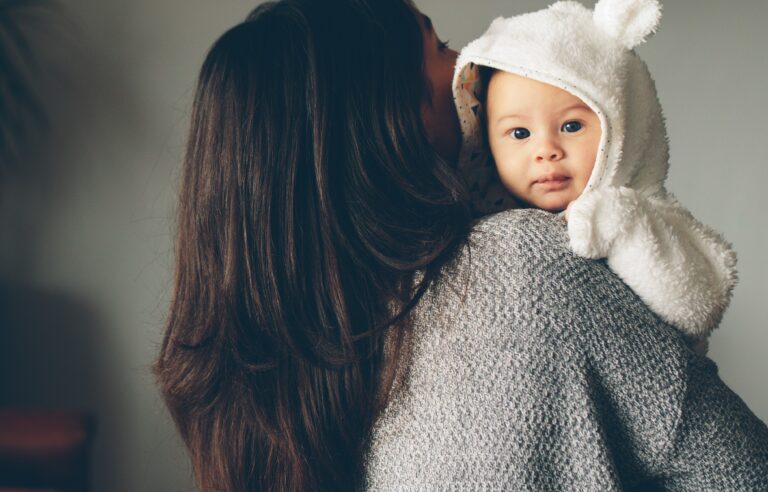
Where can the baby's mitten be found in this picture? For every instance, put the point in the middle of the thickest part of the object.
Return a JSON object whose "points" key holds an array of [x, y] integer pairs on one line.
{"points": [[682, 269], [597, 218]]}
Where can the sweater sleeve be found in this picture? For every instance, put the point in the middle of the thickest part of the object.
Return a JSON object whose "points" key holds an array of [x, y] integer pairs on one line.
{"points": [[720, 444], [665, 413]]}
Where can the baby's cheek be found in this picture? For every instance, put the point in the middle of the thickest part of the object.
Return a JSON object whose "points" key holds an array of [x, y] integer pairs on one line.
{"points": [[581, 178], [513, 181], [578, 189]]}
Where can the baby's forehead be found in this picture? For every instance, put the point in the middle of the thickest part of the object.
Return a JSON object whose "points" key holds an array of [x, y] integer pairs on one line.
{"points": [[514, 93], [511, 84]]}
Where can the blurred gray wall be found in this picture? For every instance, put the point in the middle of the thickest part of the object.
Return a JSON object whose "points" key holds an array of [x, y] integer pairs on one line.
{"points": [[85, 230]]}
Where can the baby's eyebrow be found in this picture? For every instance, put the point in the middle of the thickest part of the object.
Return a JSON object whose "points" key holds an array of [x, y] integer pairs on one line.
{"points": [[577, 106], [510, 117], [572, 107]]}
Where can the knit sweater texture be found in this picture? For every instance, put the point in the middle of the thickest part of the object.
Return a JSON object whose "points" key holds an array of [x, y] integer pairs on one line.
{"points": [[530, 368]]}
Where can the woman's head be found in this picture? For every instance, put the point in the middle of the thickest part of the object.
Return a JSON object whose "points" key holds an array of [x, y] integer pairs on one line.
{"points": [[310, 196], [438, 108]]}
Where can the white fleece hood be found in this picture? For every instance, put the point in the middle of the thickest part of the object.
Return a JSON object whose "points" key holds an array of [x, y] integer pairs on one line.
{"points": [[682, 269]]}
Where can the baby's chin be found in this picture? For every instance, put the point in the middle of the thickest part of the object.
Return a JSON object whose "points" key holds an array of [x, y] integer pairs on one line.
{"points": [[551, 204]]}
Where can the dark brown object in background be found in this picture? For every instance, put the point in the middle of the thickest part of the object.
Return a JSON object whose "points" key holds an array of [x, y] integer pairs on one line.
{"points": [[45, 450]]}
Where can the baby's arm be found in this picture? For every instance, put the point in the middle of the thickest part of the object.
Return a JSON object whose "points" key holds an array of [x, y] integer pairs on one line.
{"points": [[682, 269]]}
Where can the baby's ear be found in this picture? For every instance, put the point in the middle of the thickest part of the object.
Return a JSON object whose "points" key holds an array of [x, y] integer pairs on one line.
{"points": [[630, 22]]}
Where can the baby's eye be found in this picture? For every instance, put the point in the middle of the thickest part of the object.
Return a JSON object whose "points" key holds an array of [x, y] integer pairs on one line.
{"points": [[571, 126], [520, 133]]}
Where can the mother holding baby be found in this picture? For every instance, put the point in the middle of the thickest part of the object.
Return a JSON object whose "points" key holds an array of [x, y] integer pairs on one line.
{"points": [[340, 321]]}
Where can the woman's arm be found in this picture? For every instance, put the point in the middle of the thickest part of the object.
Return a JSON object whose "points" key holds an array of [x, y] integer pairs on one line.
{"points": [[720, 444], [662, 407], [534, 369]]}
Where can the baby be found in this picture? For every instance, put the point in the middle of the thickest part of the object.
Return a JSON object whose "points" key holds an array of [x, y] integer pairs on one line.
{"points": [[543, 140], [570, 115]]}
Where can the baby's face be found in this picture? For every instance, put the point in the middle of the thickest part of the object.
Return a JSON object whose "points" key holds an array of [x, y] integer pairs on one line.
{"points": [[544, 140]]}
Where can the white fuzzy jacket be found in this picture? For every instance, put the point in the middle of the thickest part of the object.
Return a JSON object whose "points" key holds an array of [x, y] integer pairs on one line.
{"points": [[682, 269]]}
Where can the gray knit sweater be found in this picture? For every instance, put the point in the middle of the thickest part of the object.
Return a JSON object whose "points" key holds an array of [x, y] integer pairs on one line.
{"points": [[533, 369]]}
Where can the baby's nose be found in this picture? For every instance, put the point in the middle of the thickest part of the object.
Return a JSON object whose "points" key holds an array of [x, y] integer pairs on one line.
{"points": [[549, 152]]}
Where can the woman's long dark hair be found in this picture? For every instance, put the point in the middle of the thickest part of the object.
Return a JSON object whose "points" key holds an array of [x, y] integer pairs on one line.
{"points": [[310, 198]]}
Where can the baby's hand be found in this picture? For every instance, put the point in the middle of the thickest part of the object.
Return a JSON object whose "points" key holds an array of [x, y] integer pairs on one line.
{"points": [[597, 217]]}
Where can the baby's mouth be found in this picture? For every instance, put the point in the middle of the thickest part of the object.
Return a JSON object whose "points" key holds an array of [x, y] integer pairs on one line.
{"points": [[552, 181]]}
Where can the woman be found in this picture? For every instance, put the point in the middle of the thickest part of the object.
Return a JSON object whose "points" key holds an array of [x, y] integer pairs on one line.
{"points": [[338, 322]]}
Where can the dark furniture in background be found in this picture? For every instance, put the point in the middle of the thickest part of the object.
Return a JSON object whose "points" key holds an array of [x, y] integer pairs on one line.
{"points": [[44, 451]]}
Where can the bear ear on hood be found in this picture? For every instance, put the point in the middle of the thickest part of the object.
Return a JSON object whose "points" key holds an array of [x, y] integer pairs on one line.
{"points": [[630, 22], [568, 7]]}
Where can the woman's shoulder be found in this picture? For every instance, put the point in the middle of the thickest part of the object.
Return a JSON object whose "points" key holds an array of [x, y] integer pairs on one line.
{"points": [[520, 243], [521, 226], [519, 265], [522, 256]]}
